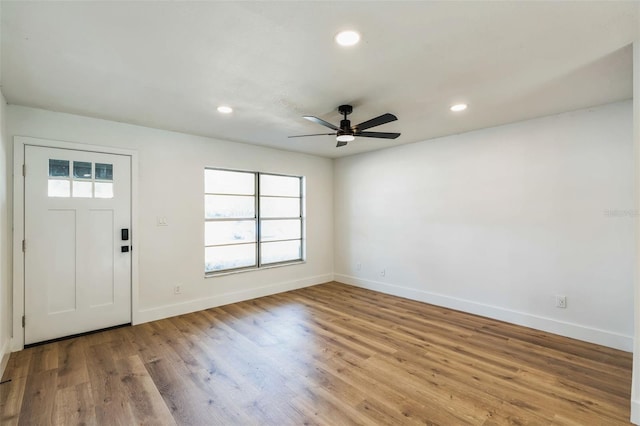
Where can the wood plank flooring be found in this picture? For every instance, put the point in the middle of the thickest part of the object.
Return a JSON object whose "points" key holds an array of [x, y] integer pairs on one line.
{"points": [[331, 354]]}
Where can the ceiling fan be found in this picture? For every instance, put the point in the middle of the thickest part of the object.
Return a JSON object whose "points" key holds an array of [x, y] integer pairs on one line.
{"points": [[346, 132]]}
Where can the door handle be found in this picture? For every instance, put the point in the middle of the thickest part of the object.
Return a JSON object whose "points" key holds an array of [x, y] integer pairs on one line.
{"points": [[124, 234]]}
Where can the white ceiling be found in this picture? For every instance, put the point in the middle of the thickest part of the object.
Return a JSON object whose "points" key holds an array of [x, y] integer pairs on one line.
{"points": [[168, 65]]}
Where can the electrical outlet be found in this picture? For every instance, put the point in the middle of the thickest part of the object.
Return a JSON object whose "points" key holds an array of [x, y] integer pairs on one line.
{"points": [[177, 289], [383, 273], [561, 302], [358, 266]]}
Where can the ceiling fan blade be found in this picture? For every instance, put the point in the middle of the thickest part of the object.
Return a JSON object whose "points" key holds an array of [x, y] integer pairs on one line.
{"points": [[316, 134], [320, 121], [340, 143], [383, 119], [383, 135]]}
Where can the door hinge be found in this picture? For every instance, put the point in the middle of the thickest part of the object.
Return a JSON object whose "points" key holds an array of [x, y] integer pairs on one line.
{"points": [[24, 170], [23, 321], [24, 245]]}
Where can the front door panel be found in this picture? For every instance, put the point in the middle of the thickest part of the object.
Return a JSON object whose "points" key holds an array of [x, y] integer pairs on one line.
{"points": [[77, 278]]}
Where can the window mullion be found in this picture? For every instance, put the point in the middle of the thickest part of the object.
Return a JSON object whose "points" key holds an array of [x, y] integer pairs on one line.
{"points": [[228, 219]]}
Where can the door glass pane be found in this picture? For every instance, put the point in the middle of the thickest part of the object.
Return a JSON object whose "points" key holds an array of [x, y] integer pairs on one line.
{"points": [[237, 206], [82, 189], [280, 185], [227, 182], [81, 170], [280, 251], [104, 171], [104, 189], [59, 188], [58, 168], [279, 207], [229, 232], [280, 229], [229, 257]]}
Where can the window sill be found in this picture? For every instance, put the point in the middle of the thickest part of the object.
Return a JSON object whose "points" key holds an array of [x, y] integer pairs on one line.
{"points": [[240, 271]]}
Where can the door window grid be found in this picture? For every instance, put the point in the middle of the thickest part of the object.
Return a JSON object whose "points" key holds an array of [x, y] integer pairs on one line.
{"points": [[88, 180], [252, 220]]}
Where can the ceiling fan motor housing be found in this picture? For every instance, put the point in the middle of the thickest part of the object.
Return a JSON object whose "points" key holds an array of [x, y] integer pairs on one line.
{"points": [[345, 127]]}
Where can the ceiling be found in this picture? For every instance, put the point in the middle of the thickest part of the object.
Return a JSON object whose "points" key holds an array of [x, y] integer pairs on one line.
{"points": [[168, 65]]}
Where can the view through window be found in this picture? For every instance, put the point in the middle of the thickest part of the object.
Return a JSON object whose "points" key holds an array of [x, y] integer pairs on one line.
{"points": [[79, 179]]}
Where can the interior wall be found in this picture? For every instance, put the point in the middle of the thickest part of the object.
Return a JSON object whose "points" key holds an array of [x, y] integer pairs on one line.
{"points": [[635, 384], [5, 228], [5, 240], [171, 185], [499, 221]]}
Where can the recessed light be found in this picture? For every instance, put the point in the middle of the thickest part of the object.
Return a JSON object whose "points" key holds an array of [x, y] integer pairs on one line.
{"points": [[347, 38], [458, 107], [223, 109]]}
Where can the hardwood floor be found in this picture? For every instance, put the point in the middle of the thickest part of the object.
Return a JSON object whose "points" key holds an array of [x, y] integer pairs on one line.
{"points": [[330, 354]]}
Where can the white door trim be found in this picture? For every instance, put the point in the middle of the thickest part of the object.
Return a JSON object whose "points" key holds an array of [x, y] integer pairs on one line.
{"points": [[19, 143]]}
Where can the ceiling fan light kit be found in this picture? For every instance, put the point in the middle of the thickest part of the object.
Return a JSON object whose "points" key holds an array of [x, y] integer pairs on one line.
{"points": [[347, 133], [345, 138]]}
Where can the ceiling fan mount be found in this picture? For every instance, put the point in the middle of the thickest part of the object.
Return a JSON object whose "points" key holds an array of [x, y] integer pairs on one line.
{"points": [[346, 132], [345, 109]]}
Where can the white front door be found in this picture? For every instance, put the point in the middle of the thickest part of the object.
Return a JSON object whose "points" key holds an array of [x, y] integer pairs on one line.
{"points": [[77, 256]]}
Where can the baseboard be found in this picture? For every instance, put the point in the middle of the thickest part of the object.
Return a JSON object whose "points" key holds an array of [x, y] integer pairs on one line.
{"points": [[5, 353], [575, 331], [172, 310], [635, 412]]}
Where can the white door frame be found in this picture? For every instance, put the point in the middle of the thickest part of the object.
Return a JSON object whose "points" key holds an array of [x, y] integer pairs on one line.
{"points": [[19, 143]]}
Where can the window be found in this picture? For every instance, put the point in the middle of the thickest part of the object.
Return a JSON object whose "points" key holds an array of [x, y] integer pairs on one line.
{"points": [[251, 220], [84, 183]]}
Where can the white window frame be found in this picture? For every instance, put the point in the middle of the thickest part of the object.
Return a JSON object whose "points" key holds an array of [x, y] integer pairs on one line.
{"points": [[257, 219]]}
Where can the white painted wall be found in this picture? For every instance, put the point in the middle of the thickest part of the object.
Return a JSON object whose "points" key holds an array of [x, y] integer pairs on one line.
{"points": [[5, 235], [5, 239], [499, 221], [171, 170], [635, 384]]}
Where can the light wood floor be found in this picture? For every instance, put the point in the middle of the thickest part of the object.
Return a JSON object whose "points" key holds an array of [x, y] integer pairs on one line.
{"points": [[330, 354]]}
